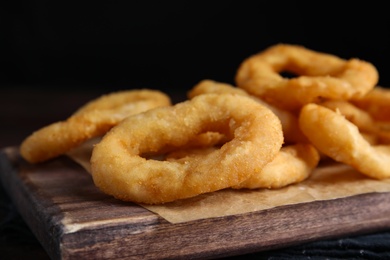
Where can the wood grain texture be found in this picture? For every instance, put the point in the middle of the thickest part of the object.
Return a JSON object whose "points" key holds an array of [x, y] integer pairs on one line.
{"points": [[73, 219]]}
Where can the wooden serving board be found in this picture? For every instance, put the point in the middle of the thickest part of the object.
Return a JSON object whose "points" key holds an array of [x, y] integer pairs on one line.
{"points": [[73, 220]]}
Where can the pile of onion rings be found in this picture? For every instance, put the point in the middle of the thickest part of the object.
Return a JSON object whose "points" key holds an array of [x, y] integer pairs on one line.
{"points": [[266, 131], [340, 108]]}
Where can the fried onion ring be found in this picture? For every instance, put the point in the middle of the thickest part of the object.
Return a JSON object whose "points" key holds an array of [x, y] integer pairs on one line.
{"points": [[91, 120], [319, 75], [119, 169], [334, 135], [376, 103], [208, 86], [293, 164]]}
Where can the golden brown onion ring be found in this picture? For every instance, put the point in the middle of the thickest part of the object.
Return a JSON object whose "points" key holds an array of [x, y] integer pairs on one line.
{"points": [[376, 103], [119, 169], [91, 120], [318, 75], [293, 164], [332, 134]]}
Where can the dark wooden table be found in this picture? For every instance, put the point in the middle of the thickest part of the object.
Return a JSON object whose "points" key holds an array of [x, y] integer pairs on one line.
{"points": [[25, 109]]}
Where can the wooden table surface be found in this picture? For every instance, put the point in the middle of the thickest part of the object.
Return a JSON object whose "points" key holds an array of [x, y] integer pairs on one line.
{"points": [[25, 109]]}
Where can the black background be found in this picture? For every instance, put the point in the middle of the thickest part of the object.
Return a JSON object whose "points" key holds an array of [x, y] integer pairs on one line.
{"points": [[171, 45]]}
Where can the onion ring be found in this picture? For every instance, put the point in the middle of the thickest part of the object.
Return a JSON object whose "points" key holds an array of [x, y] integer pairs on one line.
{"points": [[376, 103], [319, 75], [332, 134], [208, 86], [118, 168], [91, 120], [293, 164]]}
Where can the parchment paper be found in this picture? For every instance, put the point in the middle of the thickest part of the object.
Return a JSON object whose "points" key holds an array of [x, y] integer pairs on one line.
{"points": [[327, 182]]}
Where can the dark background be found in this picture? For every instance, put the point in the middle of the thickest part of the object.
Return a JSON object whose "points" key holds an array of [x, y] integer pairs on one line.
{"points": [[171, 45], [57, 55]]}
